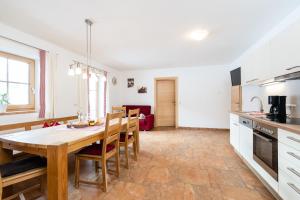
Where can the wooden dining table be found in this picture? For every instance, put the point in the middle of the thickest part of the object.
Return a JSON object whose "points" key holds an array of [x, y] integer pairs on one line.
{"points": [[54, 143]]}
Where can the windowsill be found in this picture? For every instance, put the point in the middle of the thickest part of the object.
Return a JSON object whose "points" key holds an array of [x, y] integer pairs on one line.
{"points": [[17, 112]]}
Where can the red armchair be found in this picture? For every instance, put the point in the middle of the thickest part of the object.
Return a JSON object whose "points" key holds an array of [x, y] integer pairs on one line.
{"points": [[145, 124]]}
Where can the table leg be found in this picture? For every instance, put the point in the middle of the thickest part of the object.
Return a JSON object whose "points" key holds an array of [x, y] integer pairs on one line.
{"points": [[57, 172], [6, 156]]}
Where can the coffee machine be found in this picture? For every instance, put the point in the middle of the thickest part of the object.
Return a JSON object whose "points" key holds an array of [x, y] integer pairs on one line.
{"points": [[278, 109]]}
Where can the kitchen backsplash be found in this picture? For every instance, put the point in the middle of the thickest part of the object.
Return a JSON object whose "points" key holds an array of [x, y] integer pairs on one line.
{"points": [[291, 89]]}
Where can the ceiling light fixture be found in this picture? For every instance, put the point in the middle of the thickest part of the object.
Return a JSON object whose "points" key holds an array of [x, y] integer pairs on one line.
{"points": [[199, 35], [78, 69], [71, 71]]}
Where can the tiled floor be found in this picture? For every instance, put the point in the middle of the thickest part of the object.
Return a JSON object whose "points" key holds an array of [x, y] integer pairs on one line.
{"points": [[178, 164]]}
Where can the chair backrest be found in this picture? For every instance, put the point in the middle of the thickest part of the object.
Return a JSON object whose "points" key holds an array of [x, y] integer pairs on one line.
{"points": [[113, 127], [133, 118], [116, 109]]}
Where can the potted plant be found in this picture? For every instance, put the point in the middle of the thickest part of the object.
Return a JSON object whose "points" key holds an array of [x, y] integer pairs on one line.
{"points": [[3, 102]]}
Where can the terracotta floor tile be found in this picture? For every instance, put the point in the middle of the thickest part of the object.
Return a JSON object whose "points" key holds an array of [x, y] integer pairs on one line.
{"points": [[194, 176], [238, 193], [176, 165], [159, 175]]}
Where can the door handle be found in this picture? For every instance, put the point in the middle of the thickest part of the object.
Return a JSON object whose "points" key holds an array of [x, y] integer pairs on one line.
{"points": [[290, 68]]}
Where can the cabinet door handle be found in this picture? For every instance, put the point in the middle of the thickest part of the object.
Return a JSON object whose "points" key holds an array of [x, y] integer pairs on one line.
{"points": [[293, 171], [255, 79], [294, 155], [294, 139], [262, 137], [294, 187], [235, 124], [290, 68]]}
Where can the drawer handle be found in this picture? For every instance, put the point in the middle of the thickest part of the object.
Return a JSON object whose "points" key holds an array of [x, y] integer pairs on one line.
{"points": [[255, 79], [294, 187], [294, 139], [294, 155], [293, 171], [290, 68]]}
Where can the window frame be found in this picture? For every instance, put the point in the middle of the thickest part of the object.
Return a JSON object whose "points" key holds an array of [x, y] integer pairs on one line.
{"points": [[31, 62]]}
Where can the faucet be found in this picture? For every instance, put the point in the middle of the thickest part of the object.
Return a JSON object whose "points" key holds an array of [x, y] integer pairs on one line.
{"points": [[260, 101]]}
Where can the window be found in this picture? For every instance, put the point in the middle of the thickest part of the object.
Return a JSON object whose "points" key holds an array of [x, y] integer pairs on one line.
{"points": [[96, 97], [17, 80]]}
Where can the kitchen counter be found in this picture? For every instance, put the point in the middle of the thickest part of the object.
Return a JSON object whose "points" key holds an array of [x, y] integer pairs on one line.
{"points": [[287, 127]]}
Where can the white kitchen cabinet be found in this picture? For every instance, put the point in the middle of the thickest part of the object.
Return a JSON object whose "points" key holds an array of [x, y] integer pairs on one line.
{"points": [[246, 143], [288, 189], [284, 51], [234, 131], [289, 165], [255, 69]]}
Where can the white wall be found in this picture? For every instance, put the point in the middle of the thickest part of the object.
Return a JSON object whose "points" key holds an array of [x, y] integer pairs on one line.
{"points": [[66, 89], [203, 93]]}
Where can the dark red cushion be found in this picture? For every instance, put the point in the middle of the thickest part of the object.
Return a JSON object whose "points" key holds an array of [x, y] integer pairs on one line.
{"points": [[145, 109], [123, 136], [54, 123], [96, 149]]}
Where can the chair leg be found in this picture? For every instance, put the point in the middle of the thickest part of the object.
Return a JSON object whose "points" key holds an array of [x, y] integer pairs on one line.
{"points": [[1, 188], [117, 162], [21, 196], [135, 150], [126, 156], [96, 167], [77, 171], [104, 174], [43, 183]]}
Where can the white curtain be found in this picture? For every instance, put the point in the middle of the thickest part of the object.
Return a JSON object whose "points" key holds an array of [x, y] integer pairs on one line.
{"points": [[51, 68], [82, 85]]}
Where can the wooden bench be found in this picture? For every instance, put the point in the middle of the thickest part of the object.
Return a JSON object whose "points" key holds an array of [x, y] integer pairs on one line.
{"points": [[27, 174]]}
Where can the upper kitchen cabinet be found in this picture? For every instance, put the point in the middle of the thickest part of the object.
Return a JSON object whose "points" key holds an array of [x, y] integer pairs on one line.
{"points": [[256, 65], [285, 51]]}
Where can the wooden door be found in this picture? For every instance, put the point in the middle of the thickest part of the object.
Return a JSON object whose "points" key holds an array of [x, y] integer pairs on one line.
{"points": [[165, 102]]}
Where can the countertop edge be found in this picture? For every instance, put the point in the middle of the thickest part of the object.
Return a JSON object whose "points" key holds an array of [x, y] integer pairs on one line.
{"points": [[288, 127]]}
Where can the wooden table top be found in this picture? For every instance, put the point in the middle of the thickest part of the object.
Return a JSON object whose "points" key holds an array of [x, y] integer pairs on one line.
{"points": [[56, 135]]}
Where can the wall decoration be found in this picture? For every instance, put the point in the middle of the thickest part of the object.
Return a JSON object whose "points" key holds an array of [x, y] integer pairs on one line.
{"points": [[142, 89], [130, 82], [114, 80]]}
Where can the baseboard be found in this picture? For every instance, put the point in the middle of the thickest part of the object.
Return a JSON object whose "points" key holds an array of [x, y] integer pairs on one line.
{"points": [[203, 129]]}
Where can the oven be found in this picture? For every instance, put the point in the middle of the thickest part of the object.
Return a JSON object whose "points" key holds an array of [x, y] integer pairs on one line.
{"points": [[265, 148]]}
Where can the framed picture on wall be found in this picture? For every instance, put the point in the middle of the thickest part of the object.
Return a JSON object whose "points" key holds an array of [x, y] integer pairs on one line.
{"points": [[130, 82], [142, 89]]}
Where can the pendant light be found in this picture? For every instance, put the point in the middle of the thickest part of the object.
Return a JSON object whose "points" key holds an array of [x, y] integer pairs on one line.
{"points": [[78, 69], [71, 71]]}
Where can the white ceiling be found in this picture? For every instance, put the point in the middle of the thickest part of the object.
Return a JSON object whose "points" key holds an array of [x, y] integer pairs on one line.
{"points": [[132, 34]]}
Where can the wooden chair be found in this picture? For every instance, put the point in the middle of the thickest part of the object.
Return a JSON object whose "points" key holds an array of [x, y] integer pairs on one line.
{"points": [[19, 171], [107, 148], [121, 109], [128, 137]]}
